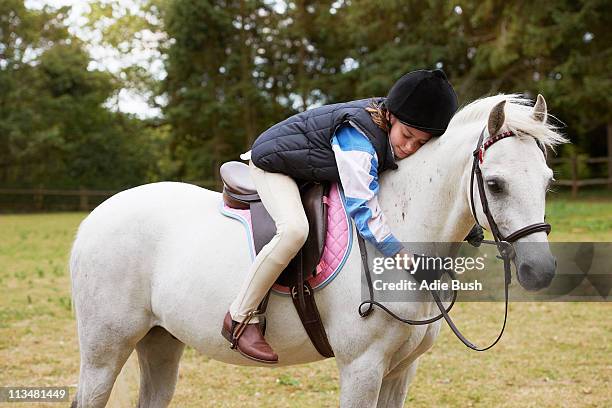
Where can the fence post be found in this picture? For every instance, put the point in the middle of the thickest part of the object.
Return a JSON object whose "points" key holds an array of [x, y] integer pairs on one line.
{"points": [[574, 175], [38, 198], [83, 199], [610, 155]]}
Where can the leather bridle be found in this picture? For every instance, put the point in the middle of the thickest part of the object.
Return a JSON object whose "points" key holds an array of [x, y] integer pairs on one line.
{"points": [[504, 247], [478, 155]]}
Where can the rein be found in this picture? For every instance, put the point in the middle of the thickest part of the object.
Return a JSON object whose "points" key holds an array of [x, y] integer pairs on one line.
{"points": [[504, 247]]}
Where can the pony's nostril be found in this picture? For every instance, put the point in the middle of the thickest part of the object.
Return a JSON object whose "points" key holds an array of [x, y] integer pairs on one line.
{"points": [[526, 270], [536, 278]]}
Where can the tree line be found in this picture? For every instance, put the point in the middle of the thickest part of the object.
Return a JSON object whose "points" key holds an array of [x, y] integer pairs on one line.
{"points": [[233, 68]]}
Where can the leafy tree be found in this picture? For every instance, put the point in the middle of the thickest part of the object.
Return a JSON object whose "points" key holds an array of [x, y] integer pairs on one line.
{"points": [[235, 67], [54, 128], [214, 106]]}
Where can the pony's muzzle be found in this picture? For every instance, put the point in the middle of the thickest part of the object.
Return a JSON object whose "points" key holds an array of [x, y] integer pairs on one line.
{"points": [[538, 275]]}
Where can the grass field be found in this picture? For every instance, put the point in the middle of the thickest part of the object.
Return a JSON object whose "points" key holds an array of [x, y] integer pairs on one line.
{"points": [[553, 354]]}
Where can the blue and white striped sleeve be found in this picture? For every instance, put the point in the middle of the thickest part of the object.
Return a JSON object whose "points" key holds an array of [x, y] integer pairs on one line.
{"points": [[358, 168]]}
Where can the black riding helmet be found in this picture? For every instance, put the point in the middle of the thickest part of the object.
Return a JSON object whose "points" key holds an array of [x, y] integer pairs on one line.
{"points": [[424, 100]]}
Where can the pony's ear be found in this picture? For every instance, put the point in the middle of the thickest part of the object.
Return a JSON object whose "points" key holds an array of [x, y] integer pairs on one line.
{"points": [[496, 118], [539, 110]]}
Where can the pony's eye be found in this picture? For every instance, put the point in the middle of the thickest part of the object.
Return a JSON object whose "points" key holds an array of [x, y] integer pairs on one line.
{"points": [[495, 186]]}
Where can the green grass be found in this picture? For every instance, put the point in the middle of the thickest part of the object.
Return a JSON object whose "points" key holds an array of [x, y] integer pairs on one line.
{"points": [[580, 220], [553, 354]]}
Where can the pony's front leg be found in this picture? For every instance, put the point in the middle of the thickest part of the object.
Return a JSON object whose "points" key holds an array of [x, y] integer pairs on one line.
{"points": [[395, 383], [360, 381], [394, 387]]}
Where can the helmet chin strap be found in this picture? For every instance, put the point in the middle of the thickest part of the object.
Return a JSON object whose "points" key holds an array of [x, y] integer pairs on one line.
{"points": [[388, 119]]}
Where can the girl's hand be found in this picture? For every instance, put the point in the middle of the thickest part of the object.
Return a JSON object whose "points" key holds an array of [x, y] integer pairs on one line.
{"points": [[405, 254]]}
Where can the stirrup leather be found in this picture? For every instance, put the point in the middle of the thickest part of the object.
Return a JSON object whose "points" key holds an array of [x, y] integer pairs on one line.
{"points": [[237, 331]]}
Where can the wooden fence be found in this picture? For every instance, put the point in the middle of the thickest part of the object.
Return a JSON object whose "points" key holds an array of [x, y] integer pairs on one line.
{"points": [[574, 181], [86, 199], [38, 195], [82, 199]]}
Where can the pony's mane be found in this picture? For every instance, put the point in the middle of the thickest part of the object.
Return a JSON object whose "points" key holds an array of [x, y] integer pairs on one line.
{"points": [[519, 118]]}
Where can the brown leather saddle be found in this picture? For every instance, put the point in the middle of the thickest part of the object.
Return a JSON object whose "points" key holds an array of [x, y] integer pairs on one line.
{"points": [[240, 192]]}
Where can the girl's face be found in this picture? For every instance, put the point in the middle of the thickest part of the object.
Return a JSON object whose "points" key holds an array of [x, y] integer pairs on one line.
{"points": [[405, 139]]}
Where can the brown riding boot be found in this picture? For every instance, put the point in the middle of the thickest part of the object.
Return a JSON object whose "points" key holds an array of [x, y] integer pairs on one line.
{"points": [[248, 340]]}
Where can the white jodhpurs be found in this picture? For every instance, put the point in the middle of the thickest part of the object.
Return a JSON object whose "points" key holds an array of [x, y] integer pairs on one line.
{"points": [[280, 195]]}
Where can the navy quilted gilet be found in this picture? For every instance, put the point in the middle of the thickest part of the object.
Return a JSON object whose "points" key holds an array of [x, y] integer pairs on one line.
{"points": [[300, 146]]}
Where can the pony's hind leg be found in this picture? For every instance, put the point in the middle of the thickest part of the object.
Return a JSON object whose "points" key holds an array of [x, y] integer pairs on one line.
{"points": [[107, 337], [159, 354], [100, 365]]}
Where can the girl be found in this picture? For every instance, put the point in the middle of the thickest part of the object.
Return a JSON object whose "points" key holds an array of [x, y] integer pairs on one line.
{"points": [[351, 143]]}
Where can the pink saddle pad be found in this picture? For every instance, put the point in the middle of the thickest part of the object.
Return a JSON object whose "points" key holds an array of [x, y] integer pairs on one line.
{"points": [[338, 239]]}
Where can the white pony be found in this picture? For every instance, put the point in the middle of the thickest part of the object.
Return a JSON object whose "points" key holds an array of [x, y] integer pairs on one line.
{"points": [[155, 267]]}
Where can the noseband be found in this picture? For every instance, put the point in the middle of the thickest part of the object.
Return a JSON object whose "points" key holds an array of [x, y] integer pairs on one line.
{"points": [[504, 246]]}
